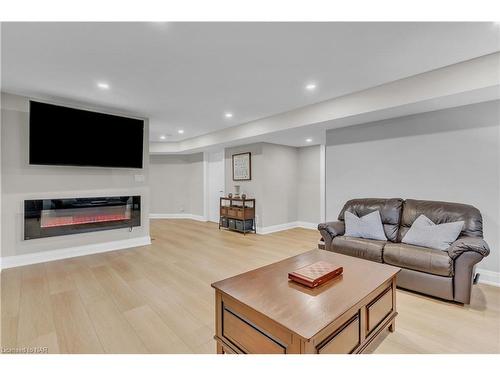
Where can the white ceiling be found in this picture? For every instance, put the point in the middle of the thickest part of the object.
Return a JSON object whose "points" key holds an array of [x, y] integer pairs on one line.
{"points": [[186, 75]]}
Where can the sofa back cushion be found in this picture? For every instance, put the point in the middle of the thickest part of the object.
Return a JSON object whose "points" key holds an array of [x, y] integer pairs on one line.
{"points": [[369, 226], [424, 232], [390, 212], [442, 212]]}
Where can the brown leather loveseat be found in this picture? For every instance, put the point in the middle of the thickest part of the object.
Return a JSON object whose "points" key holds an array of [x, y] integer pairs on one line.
{"points": [[444, 274]]}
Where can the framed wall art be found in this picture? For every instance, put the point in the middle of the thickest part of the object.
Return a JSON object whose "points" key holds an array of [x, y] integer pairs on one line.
{"points": [[242, 166]]}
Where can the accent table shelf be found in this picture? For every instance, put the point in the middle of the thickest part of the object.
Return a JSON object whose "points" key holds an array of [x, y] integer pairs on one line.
{"points": [[237, 214]]}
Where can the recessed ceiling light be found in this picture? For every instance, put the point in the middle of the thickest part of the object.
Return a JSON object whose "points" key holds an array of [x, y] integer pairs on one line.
{"points": [[180, 131], [308, 140], [310, 86], [228, 115], [162, 137], [103, 85]]}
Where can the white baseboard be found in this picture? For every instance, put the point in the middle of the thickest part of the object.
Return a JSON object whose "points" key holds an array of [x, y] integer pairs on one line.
{"points": [[178, 216], [260, 230], [275, 228], [285, 226], [71, 252], [199, 218], [488, 277], [307, 225]]}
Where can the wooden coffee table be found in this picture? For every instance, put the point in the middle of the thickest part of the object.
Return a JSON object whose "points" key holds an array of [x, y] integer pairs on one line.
{"points": [[260, 311]]}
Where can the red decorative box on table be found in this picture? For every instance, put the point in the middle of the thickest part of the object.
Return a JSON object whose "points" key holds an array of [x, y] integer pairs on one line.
{"points": [[315, 274]]}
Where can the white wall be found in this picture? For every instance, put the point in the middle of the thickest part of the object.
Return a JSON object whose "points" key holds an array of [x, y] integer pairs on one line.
{"points": [[196, 187], [280, 184], [22, 181], [215, 183], [449, 155], [1, 106], [253, 188], [176, 184], [283, 179], [308, 185]]}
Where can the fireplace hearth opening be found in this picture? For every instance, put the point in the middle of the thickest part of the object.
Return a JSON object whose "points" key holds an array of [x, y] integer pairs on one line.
{"points": [[58, 217]]}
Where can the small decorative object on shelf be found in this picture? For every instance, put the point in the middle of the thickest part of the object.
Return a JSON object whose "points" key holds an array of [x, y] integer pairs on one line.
{"points": [[230, 195], [243, 196], [237, 214], [236, 191]]}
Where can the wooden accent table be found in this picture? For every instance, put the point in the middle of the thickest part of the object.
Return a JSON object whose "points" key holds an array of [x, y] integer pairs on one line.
{"points": [[260, 311], [238, 214]]}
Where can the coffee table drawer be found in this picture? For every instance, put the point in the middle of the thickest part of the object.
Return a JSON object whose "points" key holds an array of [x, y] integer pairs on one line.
{"points": [[344, 341], [378, 309], [248, 337]]}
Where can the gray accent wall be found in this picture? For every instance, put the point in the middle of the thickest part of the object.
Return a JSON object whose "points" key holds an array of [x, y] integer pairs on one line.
{"points": [[448, 155], [285, 182], [22, 181], [280, 184], [176, 183], [308, 184], [253, 188]]}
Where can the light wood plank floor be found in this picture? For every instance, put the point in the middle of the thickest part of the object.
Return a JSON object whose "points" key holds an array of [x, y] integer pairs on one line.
{"points": [[158, 299]]}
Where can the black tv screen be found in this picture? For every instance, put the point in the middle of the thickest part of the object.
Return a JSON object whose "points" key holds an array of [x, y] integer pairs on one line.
{"points": [[68, 136]]}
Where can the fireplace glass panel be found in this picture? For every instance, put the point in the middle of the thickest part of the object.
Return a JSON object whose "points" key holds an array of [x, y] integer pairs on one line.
{"points": [[78, 216], [55, 217]]}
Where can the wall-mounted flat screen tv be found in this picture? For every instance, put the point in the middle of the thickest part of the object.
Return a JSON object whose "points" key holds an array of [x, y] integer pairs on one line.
{"points": [[68, 136]]}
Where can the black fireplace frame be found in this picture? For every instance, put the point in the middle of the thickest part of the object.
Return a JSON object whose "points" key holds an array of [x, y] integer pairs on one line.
{"points": [[33, 215]]}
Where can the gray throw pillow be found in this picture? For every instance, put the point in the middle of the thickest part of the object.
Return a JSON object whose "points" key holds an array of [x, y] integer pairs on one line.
{"points": [[423, 232], [369, 226]]}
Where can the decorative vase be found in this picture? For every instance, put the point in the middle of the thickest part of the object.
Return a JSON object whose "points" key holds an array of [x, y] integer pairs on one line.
{"points": [[236, 191]]}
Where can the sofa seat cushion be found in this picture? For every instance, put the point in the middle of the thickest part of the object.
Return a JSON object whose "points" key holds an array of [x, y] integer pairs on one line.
{"points": [[359, 247], [418, 258]]}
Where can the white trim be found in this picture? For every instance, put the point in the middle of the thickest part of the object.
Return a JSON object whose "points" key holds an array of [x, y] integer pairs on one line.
{"points": [[260, 230], [71, 252], [178, 216], [306, 225], [212, 160], [285, 226], [205, 184], [322, 183], [275, 228], [488, 277], [198, 218]]}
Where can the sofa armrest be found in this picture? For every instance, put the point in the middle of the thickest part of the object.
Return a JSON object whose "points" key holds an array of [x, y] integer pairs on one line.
{"points": [[464, 275], [331, 230], [465, 244]]}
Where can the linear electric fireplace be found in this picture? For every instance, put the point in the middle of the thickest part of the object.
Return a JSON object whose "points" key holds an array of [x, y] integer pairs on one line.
{"points": [[58, 217]]}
